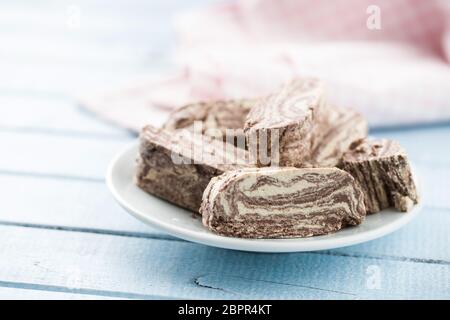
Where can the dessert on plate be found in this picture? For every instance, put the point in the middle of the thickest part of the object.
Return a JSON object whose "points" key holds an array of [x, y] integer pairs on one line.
{"points": [[282, 166]]}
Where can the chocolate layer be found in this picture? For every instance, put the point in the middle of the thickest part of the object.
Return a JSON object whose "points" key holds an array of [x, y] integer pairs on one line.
{"points": [[282, 202], [382, 169], [285, 120], [178, 166]]}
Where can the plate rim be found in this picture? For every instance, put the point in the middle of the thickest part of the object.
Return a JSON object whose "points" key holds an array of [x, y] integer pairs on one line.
{"points": [[253, 245]]}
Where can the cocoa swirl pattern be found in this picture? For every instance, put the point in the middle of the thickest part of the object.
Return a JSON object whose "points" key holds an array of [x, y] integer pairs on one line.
{"points": [[375, 149], [282, 202], [335, 134], [382, 170], [216, 116], [294, 102], [292, 113], [196, 148]]}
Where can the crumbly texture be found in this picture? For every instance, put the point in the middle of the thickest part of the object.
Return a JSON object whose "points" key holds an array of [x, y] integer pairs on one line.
{"points": [[282, 202], [287, 117], [178, 167], [216, 118], [334, 134], [382, 169]]}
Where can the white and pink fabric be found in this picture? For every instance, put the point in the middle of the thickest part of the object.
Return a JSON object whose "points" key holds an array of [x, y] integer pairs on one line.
{"points": [[396, 74]]}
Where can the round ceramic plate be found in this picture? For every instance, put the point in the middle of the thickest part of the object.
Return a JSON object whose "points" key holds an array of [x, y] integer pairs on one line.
{"points": [[188, 226]]}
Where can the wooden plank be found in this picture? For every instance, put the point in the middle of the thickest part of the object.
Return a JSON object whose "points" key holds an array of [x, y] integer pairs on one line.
{"points": [[51, 14], [105, 33], [71, 80], [74, 61], [435, 183], [107, 47], [69, 49], [145, 267], [108, 16], [53, 116], [425, 239], [69, 204], [85, 20], [14, 293], [58, 155]]}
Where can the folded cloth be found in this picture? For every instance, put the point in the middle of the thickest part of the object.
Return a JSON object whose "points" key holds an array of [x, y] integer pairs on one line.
{"points": [[389, 59]]}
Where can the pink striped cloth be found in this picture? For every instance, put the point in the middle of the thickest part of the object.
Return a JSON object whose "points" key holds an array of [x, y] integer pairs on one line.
{"points": [[389, 59]]}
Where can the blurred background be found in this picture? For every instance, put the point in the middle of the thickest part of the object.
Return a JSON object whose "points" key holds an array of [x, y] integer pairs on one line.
{"points": [[62, 48], [132, 62]]}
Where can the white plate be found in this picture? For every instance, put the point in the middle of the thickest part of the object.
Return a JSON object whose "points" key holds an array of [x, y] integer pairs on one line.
{"points": [[186, 225]]}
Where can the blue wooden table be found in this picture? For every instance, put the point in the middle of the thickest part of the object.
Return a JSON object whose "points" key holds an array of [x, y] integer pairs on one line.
{"points": [[63, 236]]}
